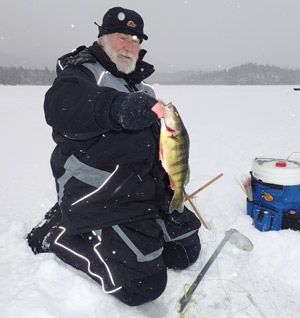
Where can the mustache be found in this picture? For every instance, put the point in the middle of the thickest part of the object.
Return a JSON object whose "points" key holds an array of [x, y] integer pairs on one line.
{"points": [[127, 54]]}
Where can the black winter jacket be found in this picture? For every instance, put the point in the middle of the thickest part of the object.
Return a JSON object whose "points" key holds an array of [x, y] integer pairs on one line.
{"points": [[105, 174]]}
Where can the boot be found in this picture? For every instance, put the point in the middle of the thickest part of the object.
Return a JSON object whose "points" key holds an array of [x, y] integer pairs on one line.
{"points": [[38, 235]]}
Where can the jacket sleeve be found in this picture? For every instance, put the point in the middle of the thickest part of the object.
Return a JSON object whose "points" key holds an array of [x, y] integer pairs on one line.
{"points": [[77, 107]]}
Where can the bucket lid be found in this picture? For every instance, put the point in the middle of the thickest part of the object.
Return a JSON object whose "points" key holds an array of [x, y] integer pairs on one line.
{"points": [[276, 170]]}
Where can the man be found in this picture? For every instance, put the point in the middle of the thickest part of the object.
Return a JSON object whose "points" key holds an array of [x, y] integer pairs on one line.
{"points": [[111, 219]]}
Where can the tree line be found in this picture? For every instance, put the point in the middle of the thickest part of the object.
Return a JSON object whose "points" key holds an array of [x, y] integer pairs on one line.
{"points": [[245, 74], [23, 76]]}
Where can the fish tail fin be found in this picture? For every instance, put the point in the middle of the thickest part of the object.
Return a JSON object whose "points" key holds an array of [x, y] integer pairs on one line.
{"points": [[177, 202]]}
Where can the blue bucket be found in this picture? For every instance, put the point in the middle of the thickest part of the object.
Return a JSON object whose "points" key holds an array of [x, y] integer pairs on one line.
{"points": [[275, 201]]}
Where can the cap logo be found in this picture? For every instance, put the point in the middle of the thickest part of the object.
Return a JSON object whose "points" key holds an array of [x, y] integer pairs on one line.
{"points": [[131, 24], [121, 16]]}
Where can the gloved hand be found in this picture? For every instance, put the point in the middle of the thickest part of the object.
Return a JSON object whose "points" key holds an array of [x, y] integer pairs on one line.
{"points": [[133, 111]]}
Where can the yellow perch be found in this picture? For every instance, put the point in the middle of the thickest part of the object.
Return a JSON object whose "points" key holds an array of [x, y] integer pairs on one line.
{"points": [[174, 154]]}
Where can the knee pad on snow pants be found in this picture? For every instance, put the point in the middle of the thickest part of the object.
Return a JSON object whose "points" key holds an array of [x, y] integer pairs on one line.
{"points": [[182, 253], [141, 291], [182, 244]]}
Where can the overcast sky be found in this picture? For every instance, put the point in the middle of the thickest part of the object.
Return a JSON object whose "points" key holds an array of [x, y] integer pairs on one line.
{"points": [[183, 34]]}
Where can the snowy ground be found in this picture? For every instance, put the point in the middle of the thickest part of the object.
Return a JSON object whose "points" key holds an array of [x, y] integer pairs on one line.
{"points": [[228, 127]]}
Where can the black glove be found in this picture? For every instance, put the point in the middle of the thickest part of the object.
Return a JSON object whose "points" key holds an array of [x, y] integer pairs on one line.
{"points": [[133, 111]]}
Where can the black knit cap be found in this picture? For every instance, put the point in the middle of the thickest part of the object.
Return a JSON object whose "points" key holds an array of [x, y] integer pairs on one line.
{"points": [[122, 20]]}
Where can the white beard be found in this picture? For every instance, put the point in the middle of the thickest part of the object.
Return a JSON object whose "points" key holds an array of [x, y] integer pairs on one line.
{"points": [[124, 67]]}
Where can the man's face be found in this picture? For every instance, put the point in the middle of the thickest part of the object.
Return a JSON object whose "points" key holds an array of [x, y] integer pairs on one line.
{"points": [[122, 49]]}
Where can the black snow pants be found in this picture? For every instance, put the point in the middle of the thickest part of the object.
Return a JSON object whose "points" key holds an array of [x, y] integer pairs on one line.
{"points": [[130, 260]]}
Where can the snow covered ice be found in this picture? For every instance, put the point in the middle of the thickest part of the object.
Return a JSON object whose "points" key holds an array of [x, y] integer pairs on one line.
{"points": [[228, 127]]}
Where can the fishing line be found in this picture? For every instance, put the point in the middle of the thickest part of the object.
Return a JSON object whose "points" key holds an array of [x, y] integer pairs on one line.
{"points": [[223, 287], [291, 155], [250, 298], [193, 301], [201, 260], [231, 312], [229, 300]]}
